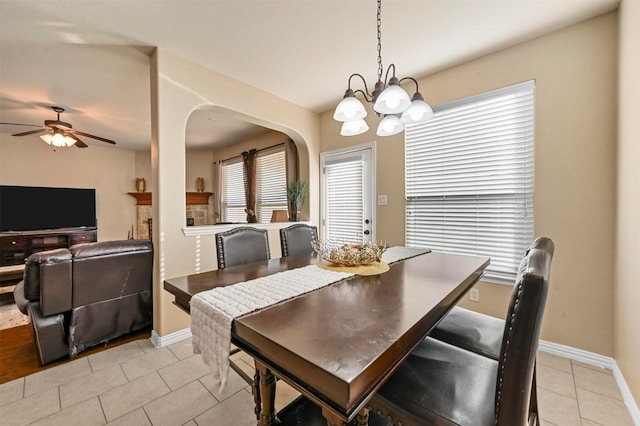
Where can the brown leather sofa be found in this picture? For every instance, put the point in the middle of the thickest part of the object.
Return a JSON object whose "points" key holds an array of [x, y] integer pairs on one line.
{"points": [[85, 295]]}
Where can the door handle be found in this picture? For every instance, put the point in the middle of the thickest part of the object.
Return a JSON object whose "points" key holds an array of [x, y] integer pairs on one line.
{"points": [[366, 232]]}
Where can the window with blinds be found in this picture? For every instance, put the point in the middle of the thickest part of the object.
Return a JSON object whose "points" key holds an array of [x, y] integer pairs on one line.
{"points": [[271, 186], [232, 202], [469, 178], [271, 183]]}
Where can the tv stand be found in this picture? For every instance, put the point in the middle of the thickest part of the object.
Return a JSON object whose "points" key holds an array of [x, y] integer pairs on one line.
{"points": [[15, 247]]}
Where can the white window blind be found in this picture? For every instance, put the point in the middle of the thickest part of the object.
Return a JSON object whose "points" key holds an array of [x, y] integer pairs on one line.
{"points": [[271, 183], [233, 200], [469, 178], [271, 186], [344, 182]]}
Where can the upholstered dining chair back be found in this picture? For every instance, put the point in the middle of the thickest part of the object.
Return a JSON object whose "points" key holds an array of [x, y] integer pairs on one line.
{"points": [[296, 239], [443, 384], [482, 334], [516, 364], [241, 245]]}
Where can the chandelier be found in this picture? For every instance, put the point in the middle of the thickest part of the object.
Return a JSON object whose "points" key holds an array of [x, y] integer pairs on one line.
{"points": [[389, 101]]}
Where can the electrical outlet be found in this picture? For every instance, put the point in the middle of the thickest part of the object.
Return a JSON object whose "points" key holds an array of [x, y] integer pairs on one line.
{"points": [[474, 295], [382, 200]]}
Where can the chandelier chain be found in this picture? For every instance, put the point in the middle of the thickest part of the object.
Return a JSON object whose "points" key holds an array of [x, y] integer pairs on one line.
{"points": [[379, 22]]}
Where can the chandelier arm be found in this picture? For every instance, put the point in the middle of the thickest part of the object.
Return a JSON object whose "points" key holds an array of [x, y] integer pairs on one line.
{"points": [[366, 96], [412, 79], [386, 75], [364, 82]]}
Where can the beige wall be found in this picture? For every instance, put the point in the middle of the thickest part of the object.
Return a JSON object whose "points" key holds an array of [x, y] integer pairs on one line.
{"points": [[111, 171], [264, 140], [178, 87], [627, 291], [199, 163], [576, 74]]}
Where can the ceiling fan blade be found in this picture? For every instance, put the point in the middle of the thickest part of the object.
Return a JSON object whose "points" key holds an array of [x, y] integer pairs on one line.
{"points": [[94, 137], [79, 143], [31, 132], [21, 124]]}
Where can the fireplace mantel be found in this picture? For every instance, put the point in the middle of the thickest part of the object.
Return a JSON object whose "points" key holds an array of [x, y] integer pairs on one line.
{"points": [[193, 198]]}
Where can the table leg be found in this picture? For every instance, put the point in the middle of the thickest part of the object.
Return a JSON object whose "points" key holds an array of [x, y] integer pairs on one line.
{"points": [[267, 396], [255, 390], [362, 418]]}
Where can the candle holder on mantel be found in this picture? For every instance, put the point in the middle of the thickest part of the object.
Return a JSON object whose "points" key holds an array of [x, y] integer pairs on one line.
{"points": [[141, 185], [200, 184]]}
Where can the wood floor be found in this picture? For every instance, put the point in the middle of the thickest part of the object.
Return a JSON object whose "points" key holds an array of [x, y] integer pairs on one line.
{"points": [[18, 357]]}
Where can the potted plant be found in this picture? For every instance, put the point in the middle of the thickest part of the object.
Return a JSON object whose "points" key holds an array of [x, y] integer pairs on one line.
{"points": [[296, 191]]}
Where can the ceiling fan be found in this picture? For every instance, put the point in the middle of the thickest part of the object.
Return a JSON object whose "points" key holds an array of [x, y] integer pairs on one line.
{"points": [[59, 133]]}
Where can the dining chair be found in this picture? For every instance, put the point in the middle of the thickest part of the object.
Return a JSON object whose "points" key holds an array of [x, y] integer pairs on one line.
{"points": [[478, 332], [242, 245], [296, 239], [482, 333], [443, 384]]}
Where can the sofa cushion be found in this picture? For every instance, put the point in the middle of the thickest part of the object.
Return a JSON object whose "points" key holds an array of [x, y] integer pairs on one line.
{"points": [[33, 265], [47, 279], [105, 248], [111, 269], [18, 296], [49, 333]]}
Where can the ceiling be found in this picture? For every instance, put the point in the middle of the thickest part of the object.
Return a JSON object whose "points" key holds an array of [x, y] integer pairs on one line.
{"points": [[91, 57]]}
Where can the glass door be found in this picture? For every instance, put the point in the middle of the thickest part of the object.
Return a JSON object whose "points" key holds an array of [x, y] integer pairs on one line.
{"points": [[348, 188]]}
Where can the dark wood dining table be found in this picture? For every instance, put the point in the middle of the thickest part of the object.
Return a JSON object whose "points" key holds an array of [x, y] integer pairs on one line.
{"points": [[337, 345]]}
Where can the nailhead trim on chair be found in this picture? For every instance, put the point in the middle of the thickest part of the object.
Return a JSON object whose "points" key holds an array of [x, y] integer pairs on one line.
{"points": [[504, 352], [221, 263], [285, 247]]}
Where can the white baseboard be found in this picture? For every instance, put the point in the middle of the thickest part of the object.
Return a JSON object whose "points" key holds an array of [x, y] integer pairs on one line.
{"points": [[599, 361], [161, 341]]}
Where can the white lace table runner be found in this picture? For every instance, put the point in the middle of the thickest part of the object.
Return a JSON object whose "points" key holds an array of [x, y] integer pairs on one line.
{"points": [[213, 311]]}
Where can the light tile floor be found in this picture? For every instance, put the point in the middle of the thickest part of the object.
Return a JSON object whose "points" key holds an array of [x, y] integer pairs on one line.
{"points": [[137, 384]]}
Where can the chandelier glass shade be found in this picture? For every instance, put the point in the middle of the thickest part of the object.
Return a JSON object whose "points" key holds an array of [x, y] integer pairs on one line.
{"points": [[392, 100], [390, 125], [389, 99], [57, 138], [354, 127], [418, 111], [349, 108]]}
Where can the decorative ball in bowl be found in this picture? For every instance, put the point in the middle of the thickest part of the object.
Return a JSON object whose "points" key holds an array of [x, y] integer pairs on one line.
{"points": [[349, 254]]}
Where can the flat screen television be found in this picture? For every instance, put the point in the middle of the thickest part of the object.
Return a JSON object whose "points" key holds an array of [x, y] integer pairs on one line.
{"points": [[30, 208]]}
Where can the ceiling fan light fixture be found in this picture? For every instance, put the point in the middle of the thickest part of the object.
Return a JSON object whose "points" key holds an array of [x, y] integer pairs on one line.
{"points": [[59, 133], [58, 139]]}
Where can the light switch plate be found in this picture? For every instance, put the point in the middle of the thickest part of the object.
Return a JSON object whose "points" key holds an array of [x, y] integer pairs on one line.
{"points": [[382, 200]]}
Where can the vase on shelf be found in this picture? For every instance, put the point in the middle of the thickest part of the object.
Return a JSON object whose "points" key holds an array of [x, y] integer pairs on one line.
{"points": [[141, 185], [200, 184]]}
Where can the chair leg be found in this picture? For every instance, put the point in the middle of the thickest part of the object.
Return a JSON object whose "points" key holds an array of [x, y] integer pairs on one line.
{"points": [[534, 418]]}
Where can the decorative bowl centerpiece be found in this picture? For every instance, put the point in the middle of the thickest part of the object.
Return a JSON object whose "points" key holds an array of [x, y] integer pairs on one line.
{"points": [[350, 254]]}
